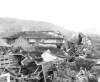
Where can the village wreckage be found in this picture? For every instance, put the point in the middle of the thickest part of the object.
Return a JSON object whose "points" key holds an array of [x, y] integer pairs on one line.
{"points": [[48, 56]]}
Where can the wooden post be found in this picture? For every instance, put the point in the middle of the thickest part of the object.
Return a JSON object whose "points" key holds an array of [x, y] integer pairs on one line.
{"points": [[3, 71], [43, 72], [19, 70], [36, 70]]}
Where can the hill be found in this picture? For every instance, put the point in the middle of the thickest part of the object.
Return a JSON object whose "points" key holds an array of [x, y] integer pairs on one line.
{"points": [[15, 25]]}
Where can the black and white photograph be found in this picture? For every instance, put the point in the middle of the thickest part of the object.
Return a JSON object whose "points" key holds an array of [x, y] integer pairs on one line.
{"points": [[49, 40]]}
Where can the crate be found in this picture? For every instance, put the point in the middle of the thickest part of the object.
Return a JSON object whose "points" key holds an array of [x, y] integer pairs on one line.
{"points": [[8, 61]]}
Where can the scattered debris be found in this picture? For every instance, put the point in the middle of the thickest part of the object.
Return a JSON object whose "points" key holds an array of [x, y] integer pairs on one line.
{"points": [[42, 62]]}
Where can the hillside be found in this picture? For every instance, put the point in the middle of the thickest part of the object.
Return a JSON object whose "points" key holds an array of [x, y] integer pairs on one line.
{"points": [[18, 24]]}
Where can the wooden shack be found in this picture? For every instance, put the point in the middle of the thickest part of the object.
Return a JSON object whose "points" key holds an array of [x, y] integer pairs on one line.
{"points": [[8, 61]]}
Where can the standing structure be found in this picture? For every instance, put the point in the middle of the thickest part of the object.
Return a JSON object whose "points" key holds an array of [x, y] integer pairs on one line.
{"points": [[45, 37]]}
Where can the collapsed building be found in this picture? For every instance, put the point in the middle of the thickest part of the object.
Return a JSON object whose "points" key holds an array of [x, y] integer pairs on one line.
{"points": [[35, 56], [25, 59]]}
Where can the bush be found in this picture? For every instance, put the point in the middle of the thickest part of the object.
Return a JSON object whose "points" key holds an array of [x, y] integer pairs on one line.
{"points": [[84, 63]]}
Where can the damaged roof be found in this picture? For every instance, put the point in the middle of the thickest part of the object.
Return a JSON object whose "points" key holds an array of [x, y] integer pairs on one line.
{"points": [[36, 34]]}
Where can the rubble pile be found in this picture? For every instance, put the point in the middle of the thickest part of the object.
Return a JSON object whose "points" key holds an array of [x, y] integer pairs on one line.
{"points": [[68, 61]]}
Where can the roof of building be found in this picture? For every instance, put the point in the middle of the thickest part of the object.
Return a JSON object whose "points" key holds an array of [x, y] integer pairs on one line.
{"points": [[36, 34]]}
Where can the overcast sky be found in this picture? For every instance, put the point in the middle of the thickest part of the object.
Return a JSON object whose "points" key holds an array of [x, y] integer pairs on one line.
{"points": [[75, 15]]}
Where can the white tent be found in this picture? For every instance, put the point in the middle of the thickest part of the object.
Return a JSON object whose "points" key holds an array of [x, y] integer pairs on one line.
{"points": [[48, 56], [21, 42]]}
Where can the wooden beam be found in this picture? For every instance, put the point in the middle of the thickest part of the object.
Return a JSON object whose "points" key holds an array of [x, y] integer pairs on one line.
{"points": [[43, 72]]}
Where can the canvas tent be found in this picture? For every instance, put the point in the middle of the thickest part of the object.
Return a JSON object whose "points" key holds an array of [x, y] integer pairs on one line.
{"points": [[21, 42], [3, 43], [47, 56]]}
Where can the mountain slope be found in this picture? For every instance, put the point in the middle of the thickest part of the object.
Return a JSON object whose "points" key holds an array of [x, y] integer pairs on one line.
{"points": [[18, 24]]}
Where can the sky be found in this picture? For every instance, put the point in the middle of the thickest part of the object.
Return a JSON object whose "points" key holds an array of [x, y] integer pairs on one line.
{"points": [[74, 15]]}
